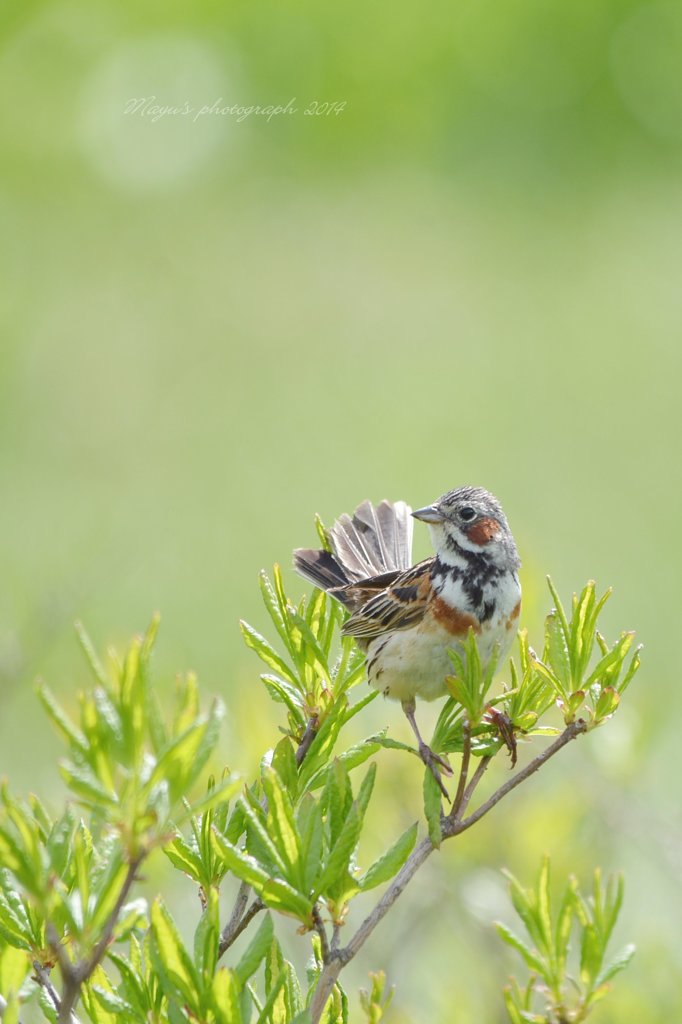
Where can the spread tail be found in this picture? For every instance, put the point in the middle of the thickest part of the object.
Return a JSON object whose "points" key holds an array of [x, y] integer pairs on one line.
{"points": [[376, 539]]}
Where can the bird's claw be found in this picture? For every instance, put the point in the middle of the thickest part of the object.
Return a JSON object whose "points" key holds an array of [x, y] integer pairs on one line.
{"points": [[435, 764]]}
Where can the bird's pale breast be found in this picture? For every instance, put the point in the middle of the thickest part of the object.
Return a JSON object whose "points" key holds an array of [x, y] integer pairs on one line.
{"points": [[414, 662]]}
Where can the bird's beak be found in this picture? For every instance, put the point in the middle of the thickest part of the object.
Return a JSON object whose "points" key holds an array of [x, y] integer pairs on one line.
{"points": [[428, 514]]}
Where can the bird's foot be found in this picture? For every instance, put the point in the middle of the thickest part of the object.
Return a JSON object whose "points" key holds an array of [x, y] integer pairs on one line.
{"points": [[436, 765]]}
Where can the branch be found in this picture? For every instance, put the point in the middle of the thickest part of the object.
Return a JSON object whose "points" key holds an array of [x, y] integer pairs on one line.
{"points": [[457, 811], [452, 826], [235, 917], [308, 737], [236, 925]]}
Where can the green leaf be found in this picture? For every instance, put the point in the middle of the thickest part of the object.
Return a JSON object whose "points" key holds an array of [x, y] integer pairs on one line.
{"points": [[112, 1002], [632, 669], [220, 793], [351, 758], [607, 703], [365, 790], [340, 855], [108, 888], [591, 955], [181, 761], [86, 787], [511, 1007], [388, 865], [313, 653], [525, 906], [225, 992], [530, 956], [608, 668], [275, 611], [276, 893], [61, 720], [255, 952], [556, 650], [564, 925], [183, 857], [207, 937], [311, 831], [266, 653], [93, 661], [15, 926], [14, 969], [615, 966], [283, 692], [284, 763], [336, 799], [259, 842], [543, 912], [172, 961], [266, 1015], [432, 808], [281, 825]]}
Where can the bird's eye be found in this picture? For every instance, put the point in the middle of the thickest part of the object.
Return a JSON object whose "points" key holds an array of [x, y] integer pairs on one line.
{"points": [[467, 513]]}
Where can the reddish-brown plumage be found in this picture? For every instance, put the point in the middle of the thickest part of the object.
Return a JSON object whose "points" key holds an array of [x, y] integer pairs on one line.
{"points": [[455, 621], [483, 532], [514, 615]]}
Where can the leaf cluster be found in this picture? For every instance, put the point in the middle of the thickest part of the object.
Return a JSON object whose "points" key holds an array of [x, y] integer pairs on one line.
{"points": [[75, 935], [563, 989]]}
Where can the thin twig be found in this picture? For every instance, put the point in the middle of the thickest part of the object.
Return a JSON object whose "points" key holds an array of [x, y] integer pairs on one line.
{"points": [[228, 937], [464, 769], [43, 977], [322, 932], [308, 737], [236, 915], [473, 784]]}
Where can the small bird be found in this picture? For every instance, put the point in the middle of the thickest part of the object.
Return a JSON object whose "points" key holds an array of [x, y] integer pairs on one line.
{"points": [[407, 617]]}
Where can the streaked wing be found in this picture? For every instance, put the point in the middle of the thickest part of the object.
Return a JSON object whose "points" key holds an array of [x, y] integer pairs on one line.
{"points": [[385, 608]]}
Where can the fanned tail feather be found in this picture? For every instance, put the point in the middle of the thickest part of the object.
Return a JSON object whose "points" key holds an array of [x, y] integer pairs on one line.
{"points": [[376, 539], [320, 568]]}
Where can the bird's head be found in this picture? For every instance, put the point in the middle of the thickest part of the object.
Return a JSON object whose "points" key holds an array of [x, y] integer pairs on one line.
{"points": [[470, 520]]}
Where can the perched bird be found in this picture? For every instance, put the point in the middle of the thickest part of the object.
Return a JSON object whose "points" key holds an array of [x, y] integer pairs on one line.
{"points": [[406, 617]]}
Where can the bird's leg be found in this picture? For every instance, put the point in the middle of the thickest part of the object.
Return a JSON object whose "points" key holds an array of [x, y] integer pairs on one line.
{"points": [[433, 762]]}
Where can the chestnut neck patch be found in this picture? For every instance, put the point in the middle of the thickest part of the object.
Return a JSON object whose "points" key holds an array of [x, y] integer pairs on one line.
{"points": [[483, 531]]}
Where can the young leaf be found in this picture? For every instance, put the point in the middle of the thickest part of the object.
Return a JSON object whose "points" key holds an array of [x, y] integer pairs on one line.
{"points": [[388, 865], [225, 992], [172, 961], [255, 952], [432, 808], [530, 956]]}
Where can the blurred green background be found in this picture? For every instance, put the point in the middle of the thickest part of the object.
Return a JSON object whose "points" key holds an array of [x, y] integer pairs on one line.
{"points": [[212, 329]]}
